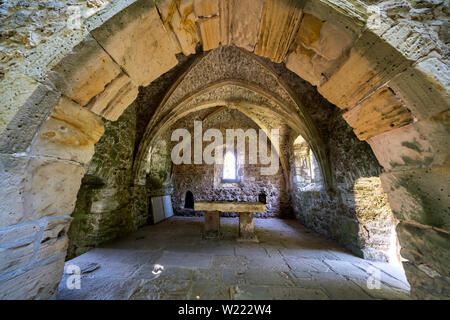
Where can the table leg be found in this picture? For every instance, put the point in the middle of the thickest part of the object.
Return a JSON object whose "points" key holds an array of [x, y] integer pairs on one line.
{"points": [[247, 227], [212, 224]]}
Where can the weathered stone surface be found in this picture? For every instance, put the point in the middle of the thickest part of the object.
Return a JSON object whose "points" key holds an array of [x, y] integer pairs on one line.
{"points": [[226, 17], [411, 42], [14, 257], [136, 39], [430, 246], [318, 49], [226, 206], [20, 131], [70, 133], [179, 20], [18, 235], [208, 22], [206, 8], [15, 91], [104, 209], [84, 72], [424, 87], [372, 62], [420, 195], [310, 30], [351, 15], [116, 97], [423, 143], [324, 37], [12, 178], [308, 65], [209, 31], [380, 112], [54, 238], [39, 282], [426, 285], [279, 26], [246, 16], [49, 180], [106, 200]]}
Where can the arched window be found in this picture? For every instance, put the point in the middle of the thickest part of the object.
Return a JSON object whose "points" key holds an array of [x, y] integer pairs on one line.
{"points": [[229, 167], [306, 171]]}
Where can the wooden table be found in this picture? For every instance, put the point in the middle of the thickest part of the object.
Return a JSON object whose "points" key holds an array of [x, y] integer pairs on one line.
{"points": [[245, 209]]}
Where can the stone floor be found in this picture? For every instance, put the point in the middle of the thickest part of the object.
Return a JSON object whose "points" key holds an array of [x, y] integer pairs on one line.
{"points": [[289, 262]]}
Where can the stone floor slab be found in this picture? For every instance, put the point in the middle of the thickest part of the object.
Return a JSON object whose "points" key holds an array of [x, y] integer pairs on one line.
{"points": [[170, 260]]}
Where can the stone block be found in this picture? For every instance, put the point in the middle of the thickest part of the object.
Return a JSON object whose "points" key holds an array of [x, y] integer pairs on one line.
{"points": [[116, 97], [209, 32], [14, 257], [419, 195], [12, 185], [70, 133], [372, 62], [18, 235], [206, 8], [51, 188], [424, 88], [424, 286], [246, 16], [179, 20], [431, 244], [382, 111], [54, 238], [136, 39], [38, 282], [411, 41], [307, 64], [212, 224], [351, 16], [84, 72], [246, 227], [15, 91], [19, 133], [320, 47], [226, 17], [420, 144], [326, 38], [279, 26]]}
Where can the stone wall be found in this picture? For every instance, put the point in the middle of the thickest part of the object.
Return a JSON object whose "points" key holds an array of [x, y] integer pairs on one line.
{"points": [[356, 212], [104, 208]]}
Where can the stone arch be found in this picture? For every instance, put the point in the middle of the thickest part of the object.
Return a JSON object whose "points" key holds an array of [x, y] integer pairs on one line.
{"points": [[393, 95]]}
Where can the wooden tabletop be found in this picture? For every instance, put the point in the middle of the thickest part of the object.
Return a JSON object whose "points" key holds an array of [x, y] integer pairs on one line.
{"points": [[227, 206]]}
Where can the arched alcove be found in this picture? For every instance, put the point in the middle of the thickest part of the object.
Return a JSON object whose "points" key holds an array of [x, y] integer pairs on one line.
{"points": [[189, 200]]}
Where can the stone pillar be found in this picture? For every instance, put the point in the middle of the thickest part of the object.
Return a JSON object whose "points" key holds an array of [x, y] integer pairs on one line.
{"points": [[247, 227], [212, 225]]}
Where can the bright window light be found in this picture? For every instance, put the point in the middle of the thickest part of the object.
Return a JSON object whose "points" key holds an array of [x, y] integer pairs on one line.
{"points": [[229, 166]]}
